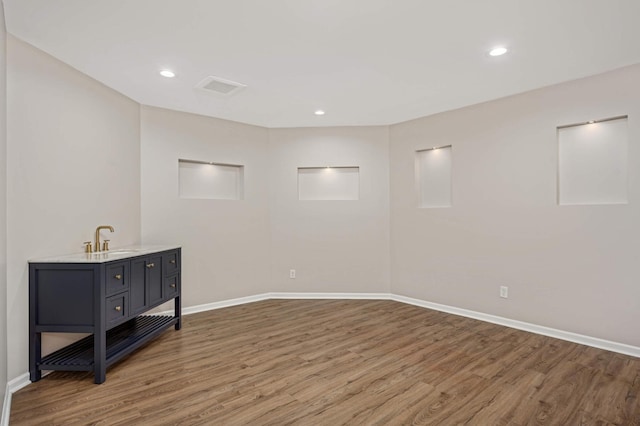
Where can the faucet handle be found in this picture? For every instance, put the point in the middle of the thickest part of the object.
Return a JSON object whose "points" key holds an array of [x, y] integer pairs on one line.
{"points": [[105, 245], [87, 247]]}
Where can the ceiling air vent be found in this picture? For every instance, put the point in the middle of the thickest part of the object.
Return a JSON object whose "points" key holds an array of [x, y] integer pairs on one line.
{"points": [[220, 86]]}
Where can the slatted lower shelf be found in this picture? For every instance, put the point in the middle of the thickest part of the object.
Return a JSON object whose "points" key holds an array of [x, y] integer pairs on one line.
{"points": [[121, 341]]}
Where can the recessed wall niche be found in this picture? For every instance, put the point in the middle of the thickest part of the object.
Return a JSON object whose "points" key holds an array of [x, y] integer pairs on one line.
{"points": [[329, 183], [209, 180], [433, 177], [592, 162]]}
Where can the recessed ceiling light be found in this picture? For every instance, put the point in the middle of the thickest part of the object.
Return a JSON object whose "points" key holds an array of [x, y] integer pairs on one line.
{"points": [[497, 51], [319, 112], [167, 73]]}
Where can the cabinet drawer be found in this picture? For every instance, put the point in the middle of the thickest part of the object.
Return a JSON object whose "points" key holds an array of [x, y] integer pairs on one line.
{"points": [[171, 262], [117, 277], [171, 286], [117, 307]]}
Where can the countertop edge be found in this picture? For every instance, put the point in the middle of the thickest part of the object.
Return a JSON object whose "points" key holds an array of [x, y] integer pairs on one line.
{"points": [[120, 253]]}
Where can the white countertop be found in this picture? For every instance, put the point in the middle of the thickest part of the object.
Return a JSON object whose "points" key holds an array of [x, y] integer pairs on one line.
{"points": [[104, 256]]}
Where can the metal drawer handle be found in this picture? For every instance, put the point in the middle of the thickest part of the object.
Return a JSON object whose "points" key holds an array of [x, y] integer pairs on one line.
{"points": [[150, 265], [172, 261], [117, 276], [118, 308], [173, 285]]}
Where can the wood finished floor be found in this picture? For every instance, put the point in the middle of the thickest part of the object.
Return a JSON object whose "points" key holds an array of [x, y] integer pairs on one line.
{"points": [[332, 362]]}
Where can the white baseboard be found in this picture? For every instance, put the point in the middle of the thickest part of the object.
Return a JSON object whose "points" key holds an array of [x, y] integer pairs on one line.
{"points": [[276, 295], [23, 380], [525, 326], [12, 386], [224, 304], [361, 296]]}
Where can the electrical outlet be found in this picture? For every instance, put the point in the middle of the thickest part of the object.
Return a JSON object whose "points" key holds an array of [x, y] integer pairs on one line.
{"points": [[504, 292], [292, 273]]}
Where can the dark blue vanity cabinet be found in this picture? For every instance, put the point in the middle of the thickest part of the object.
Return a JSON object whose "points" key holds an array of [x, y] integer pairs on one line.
{"points": [[107, 298]]}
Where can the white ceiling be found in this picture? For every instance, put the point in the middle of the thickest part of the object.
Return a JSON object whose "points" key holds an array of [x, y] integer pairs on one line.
{"points": [[366, 62]]}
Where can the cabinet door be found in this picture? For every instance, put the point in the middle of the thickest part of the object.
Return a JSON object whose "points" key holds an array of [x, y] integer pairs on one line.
{"points": [[154, 279], [138, 286]]}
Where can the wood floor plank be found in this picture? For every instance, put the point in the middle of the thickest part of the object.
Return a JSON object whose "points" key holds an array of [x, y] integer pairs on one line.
{"points": [[332, 362]]}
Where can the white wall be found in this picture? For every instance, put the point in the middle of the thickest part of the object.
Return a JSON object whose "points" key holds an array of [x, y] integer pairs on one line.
{"points": [[73, 163], [334, 246], [573, 268], [225, 243], [3, 206]]}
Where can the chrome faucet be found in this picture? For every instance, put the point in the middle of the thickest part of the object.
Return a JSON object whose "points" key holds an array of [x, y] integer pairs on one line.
{"points": [[97, 245]]}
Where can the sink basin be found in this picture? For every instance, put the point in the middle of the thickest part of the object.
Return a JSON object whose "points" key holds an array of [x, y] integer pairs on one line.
{"points": [[125, 251]]}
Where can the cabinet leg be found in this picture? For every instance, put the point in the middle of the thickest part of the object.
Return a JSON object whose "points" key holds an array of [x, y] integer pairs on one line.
{"points": [[99, 357], [178, 313], [35, 373], [99, 376]]}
